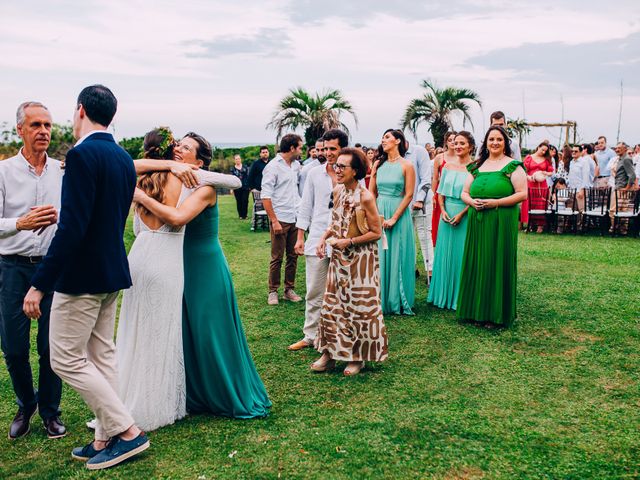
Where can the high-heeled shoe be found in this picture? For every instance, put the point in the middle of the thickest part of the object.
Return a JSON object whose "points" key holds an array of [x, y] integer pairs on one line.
{"points": [[353, 368], [325, 366]]}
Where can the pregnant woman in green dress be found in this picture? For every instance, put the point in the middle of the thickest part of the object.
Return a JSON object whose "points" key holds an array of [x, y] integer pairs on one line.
{"points": [[220, 373], [497, 184], [392, 182], [452, 230]]}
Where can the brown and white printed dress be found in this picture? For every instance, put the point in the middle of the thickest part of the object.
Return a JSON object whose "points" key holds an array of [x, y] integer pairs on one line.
{"points": [[351, 325]]}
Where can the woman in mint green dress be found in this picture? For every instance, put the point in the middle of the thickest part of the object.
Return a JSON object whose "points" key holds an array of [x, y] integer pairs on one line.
{"points": [[494, 189], [452, 230], [392, 182], [221, 377]]}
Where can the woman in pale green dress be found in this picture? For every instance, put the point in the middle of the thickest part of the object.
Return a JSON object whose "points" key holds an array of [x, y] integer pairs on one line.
{"points": [[392, 182], [452, 230]]}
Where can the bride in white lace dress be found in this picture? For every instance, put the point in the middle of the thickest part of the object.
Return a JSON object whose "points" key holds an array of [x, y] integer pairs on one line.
{"points": [[149, 339]]}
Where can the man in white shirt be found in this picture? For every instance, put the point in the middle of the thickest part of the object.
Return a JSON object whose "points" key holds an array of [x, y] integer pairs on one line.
{"points": [[30, 190], [313, 154], [318, 159], [579, 174], [280, 198], [604, 156], [314, 216], [422, 204]]}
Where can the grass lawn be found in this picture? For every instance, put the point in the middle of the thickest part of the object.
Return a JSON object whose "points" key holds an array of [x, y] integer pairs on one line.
{"points": [[556, 396]]}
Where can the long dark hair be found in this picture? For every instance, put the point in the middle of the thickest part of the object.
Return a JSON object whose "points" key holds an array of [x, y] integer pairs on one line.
{"points": [[402, 147], [484, 151], [554, 157]]}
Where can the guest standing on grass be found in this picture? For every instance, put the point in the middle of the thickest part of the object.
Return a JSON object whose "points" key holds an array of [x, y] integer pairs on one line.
{"points": [[281, 199], [439, 162], [445, 284], [317, 159], [314, 215], [87, 266], [30, 185], [392, 182], [257, 167], [496, 186], [242, 194], [351, 323]]}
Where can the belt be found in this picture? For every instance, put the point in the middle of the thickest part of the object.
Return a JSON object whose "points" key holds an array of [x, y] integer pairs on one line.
{"points": [[22, 259], [604, 176]]}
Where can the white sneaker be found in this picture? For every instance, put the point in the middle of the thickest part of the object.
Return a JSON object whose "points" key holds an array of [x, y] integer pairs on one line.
{"points": [[273, 298], [91, 424]]}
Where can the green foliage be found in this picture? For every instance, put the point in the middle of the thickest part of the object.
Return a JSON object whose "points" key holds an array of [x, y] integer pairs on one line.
{"points": [[554, 397], [315, 113], [518, 127], [436, 108], [134, 146]]}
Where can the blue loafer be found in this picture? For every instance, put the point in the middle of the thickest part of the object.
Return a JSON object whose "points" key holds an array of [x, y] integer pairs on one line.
{"points": [[84, 453], [118, 451]]}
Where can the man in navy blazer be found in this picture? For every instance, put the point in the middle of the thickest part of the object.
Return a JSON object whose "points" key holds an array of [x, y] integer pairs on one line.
{"points": [[86, 265]]}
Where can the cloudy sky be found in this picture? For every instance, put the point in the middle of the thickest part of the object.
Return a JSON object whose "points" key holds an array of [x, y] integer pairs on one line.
{"points": [[220, 67]]}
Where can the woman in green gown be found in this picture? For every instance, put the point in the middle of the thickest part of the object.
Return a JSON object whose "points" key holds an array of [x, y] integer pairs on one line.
{"points": [[497, 184], [220, 373], [392, 182], [452, 229]]}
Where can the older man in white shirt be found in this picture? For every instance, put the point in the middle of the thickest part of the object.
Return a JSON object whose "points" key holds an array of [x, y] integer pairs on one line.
{"points": [[30, 191], [281, 199], [314, 216]]}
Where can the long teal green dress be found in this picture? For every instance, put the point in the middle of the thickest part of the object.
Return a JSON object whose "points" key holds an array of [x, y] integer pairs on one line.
{"points": [[221, 376], [445, 282], [398, 261], [489, 267]]}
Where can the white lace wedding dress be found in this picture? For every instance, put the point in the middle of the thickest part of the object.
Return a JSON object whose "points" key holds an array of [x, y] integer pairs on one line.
{"points": [[150, 358]]}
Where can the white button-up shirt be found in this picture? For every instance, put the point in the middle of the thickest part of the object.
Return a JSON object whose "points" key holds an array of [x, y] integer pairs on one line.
{"points": [[304, 172], [579, 173], [423, 167], [314, 214], [21, 189], [280, 185]]}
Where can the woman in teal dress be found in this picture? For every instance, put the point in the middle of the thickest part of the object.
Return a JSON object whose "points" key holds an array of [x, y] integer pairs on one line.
{"points": [[392, 182], [496, 186], [220, 373], [452, 230]]}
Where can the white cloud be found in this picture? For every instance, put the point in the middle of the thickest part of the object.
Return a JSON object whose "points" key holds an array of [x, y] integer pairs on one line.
{"points": [[220, 68]]}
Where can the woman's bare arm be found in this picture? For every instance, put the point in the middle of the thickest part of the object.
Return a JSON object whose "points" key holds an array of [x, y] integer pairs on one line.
{"points": [[178, 216]]}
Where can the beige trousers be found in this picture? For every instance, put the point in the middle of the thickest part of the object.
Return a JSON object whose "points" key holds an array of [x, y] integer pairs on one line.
{"points": [[316, 269], [83, 354]]}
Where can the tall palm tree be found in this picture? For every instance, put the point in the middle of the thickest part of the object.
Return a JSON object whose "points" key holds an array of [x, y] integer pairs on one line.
{"points": [[315, 113], [436, 107]]}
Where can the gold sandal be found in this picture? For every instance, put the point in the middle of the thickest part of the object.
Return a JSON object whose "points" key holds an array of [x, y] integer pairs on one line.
{"points": [[323, 367], [353, 368]]}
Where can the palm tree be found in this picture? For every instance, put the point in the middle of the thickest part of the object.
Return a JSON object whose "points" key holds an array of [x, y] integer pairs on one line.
{"points": [[436, 107], [314, 113]]}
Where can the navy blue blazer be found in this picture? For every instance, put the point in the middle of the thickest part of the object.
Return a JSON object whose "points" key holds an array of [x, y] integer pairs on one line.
{"points": [[87, 254]]}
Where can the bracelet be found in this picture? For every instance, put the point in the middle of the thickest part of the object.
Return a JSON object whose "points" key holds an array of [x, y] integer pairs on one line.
{"points": [[352, 244]]}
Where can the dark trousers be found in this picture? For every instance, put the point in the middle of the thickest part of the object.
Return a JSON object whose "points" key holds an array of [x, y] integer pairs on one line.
{"points": [[15, 281], [242, 201], [280, 244]]}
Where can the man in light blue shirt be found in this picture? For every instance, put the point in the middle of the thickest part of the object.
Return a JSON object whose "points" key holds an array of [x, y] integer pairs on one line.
{"points": [[578, 174], [422, 205], [281, 199], [307, 165], [604, 155]]}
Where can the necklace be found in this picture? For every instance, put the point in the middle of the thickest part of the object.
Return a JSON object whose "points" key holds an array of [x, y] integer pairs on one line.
{"points": [[393, 160]]}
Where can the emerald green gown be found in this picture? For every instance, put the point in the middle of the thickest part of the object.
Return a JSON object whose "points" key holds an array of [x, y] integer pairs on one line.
{"points": [[489, 266], [398, 261], [221, 376]]}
